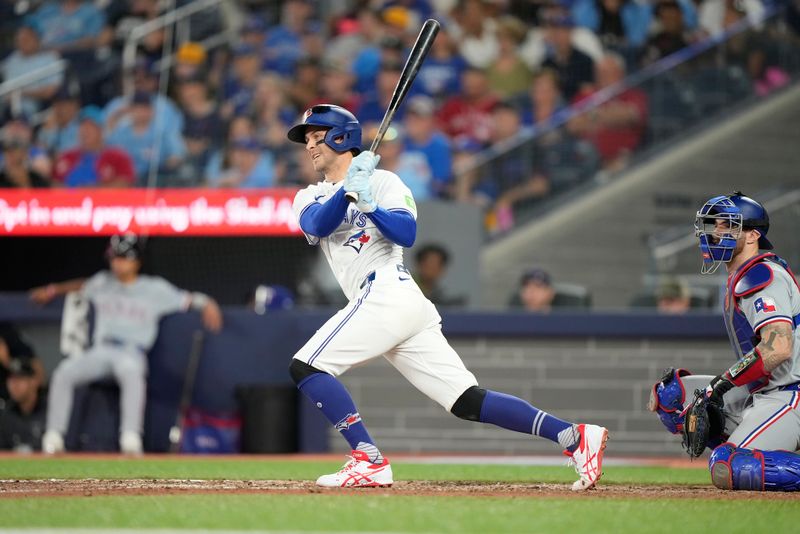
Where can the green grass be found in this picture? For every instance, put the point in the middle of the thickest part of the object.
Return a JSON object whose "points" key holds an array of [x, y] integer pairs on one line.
{"points": [[376, 512]]}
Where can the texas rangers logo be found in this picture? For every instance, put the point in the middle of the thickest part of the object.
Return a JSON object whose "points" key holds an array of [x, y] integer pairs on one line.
{"points": [[357, 241], [348, 421], [764, 304]]}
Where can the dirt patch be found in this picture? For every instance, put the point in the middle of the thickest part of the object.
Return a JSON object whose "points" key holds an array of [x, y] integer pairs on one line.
{"points": [[17, 489]]}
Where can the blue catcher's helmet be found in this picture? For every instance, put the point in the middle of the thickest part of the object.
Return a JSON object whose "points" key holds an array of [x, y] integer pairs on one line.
{"points": [[736, 212], [344, 133]]}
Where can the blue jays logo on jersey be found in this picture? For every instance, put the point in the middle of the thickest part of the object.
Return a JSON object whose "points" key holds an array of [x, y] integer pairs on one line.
{"points": [[357, 241], [764, 304]]}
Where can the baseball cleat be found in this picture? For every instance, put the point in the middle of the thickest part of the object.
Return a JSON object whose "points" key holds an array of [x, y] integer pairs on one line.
{"points": [[52, 442], [588, 457], [359, 472]]}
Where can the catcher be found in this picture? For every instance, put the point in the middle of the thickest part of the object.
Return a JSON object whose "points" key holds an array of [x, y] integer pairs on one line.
{"points": [[748, 415]]}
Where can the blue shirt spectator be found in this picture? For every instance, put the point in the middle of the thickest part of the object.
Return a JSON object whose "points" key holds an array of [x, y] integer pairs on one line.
{"points": [[28, 57], [65, 23], [248, 166], [423, 137], [284, 44]]}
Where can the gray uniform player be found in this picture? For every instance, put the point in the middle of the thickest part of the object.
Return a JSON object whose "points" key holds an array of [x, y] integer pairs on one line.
{"points": [[127, 310], [755, 445]]}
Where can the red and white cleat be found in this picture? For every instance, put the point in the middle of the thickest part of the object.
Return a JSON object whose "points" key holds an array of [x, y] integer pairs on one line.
{"points": [[359, 472], [588, 457]]}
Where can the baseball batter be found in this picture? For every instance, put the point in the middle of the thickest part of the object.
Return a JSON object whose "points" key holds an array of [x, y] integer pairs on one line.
{"points": [[127, 309], [760, 394], [387, 314]]}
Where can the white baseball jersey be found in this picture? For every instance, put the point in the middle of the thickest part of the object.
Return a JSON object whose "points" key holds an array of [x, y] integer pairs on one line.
{"points": [[356, 247], [130, 312], [387, 314]]}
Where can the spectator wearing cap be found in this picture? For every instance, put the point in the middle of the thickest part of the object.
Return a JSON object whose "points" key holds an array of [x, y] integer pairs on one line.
{"points": [[616, 127], [536, 292], [375, 103], [240, 83], [249, 166], [440, 74], [575, 69], [423, 136], [671, 34], [508, 75], [14, 347], [92, 163], [146, 142], [367, 63], [71, 25], [673, 296], [299, 34], [467, 117], [60, 130], [190, 61], [145, 80], [22, 416], [16, 171], [28, 57], [475, 30], [17, 130], [410, 165]]}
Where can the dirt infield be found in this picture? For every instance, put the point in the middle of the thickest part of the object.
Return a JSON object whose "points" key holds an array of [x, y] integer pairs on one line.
{"points": [[18, 489]]}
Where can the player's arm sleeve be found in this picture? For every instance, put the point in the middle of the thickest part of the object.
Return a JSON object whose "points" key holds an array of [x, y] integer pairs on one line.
{"points": [[170, 299], [320, 220], [396, 225]]}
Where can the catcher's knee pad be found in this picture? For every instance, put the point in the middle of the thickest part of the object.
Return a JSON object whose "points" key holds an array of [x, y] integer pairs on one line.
{"points": [[753, 469], [300, 370], [667, 398], [468, 405]]}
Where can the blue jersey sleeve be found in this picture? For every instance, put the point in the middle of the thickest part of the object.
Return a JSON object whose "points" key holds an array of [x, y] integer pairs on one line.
{"points": [[320, 220], [397, 225]]}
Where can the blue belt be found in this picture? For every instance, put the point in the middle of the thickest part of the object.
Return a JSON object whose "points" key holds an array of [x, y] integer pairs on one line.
{"points": [[790, 387], [369, 278], [796, 320], [116, 342]]}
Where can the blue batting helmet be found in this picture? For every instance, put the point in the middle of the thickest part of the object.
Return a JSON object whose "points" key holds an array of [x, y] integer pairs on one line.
{"points": [[738, 213], [344, 133]]}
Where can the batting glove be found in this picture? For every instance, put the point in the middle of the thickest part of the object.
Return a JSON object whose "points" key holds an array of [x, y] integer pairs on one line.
{"points": [[365, 161], [359, 183]]}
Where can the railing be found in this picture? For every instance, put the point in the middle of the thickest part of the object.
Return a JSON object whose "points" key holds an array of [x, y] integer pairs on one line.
{"points": [[684, 89], [16, 86], [180, 18]]}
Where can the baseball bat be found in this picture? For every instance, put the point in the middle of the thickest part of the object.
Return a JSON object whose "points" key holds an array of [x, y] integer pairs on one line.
{"points": [[418, 52], [176, 432]]}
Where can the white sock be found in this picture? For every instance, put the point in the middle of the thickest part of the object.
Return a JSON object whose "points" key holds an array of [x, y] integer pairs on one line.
{"points": [[569, 437], [371, 451]]}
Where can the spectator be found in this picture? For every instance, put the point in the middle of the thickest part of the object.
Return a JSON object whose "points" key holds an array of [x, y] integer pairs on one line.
{"points": [[17, 130], [411, 166], [536, 292], [14, 347], [476, 33], [201, 113], [16, 171], [440, 74], [673, 296], [299, 34], [190, 61], [514, 181], [543, 103], [127, 311], [253, 33], [304, 88], [423, 136], [672, 34], [22, 417], [71, 25], [467, 117], [272, 112], [508, 75], [368, 62], [618, 23], [575, 69], [26, 58], [371, 110], [145, 143], [240, 85], [431, 265], [338, 86], [617, 126], [92, 163], [354, 35], [717, 15], [145, 80], [249, 166], [60, 130]]}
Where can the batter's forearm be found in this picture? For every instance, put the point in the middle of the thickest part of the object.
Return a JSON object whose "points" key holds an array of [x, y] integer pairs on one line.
{"points": [[320, 220], [398, 226]]}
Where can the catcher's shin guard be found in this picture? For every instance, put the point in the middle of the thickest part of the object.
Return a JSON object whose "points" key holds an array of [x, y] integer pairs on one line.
{"points": [[667, 398], [752, 469]]}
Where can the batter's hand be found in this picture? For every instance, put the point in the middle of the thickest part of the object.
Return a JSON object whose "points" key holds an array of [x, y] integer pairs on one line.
{"points": [[359, 183], [365, 161], [212, 316]]}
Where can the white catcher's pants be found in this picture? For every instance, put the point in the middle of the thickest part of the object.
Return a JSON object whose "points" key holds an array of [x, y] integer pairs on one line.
{"points": [[391, 318]]}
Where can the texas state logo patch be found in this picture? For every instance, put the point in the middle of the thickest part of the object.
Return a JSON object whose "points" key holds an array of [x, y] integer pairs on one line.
{"points": [[765, 305]]}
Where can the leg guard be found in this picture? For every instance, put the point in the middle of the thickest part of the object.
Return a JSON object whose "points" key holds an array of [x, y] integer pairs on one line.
{"points": [[667, 398], [468, 405], [755, 470]]}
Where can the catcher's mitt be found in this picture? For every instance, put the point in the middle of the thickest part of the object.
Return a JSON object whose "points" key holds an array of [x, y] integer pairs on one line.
{"points": [[704, 422]]}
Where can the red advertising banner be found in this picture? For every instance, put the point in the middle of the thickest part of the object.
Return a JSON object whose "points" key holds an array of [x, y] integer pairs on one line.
{"points": [[162, 212]]}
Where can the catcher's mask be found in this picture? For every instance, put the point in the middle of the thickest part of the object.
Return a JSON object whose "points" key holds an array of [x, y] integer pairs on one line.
{"points": [[719, 223]]}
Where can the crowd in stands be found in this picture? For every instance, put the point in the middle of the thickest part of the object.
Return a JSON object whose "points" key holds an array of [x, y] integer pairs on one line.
{"points": [[498, 72]]}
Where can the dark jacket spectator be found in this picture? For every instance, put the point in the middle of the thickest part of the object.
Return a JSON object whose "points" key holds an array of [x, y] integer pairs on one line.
{"points": [[22, 416]]}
